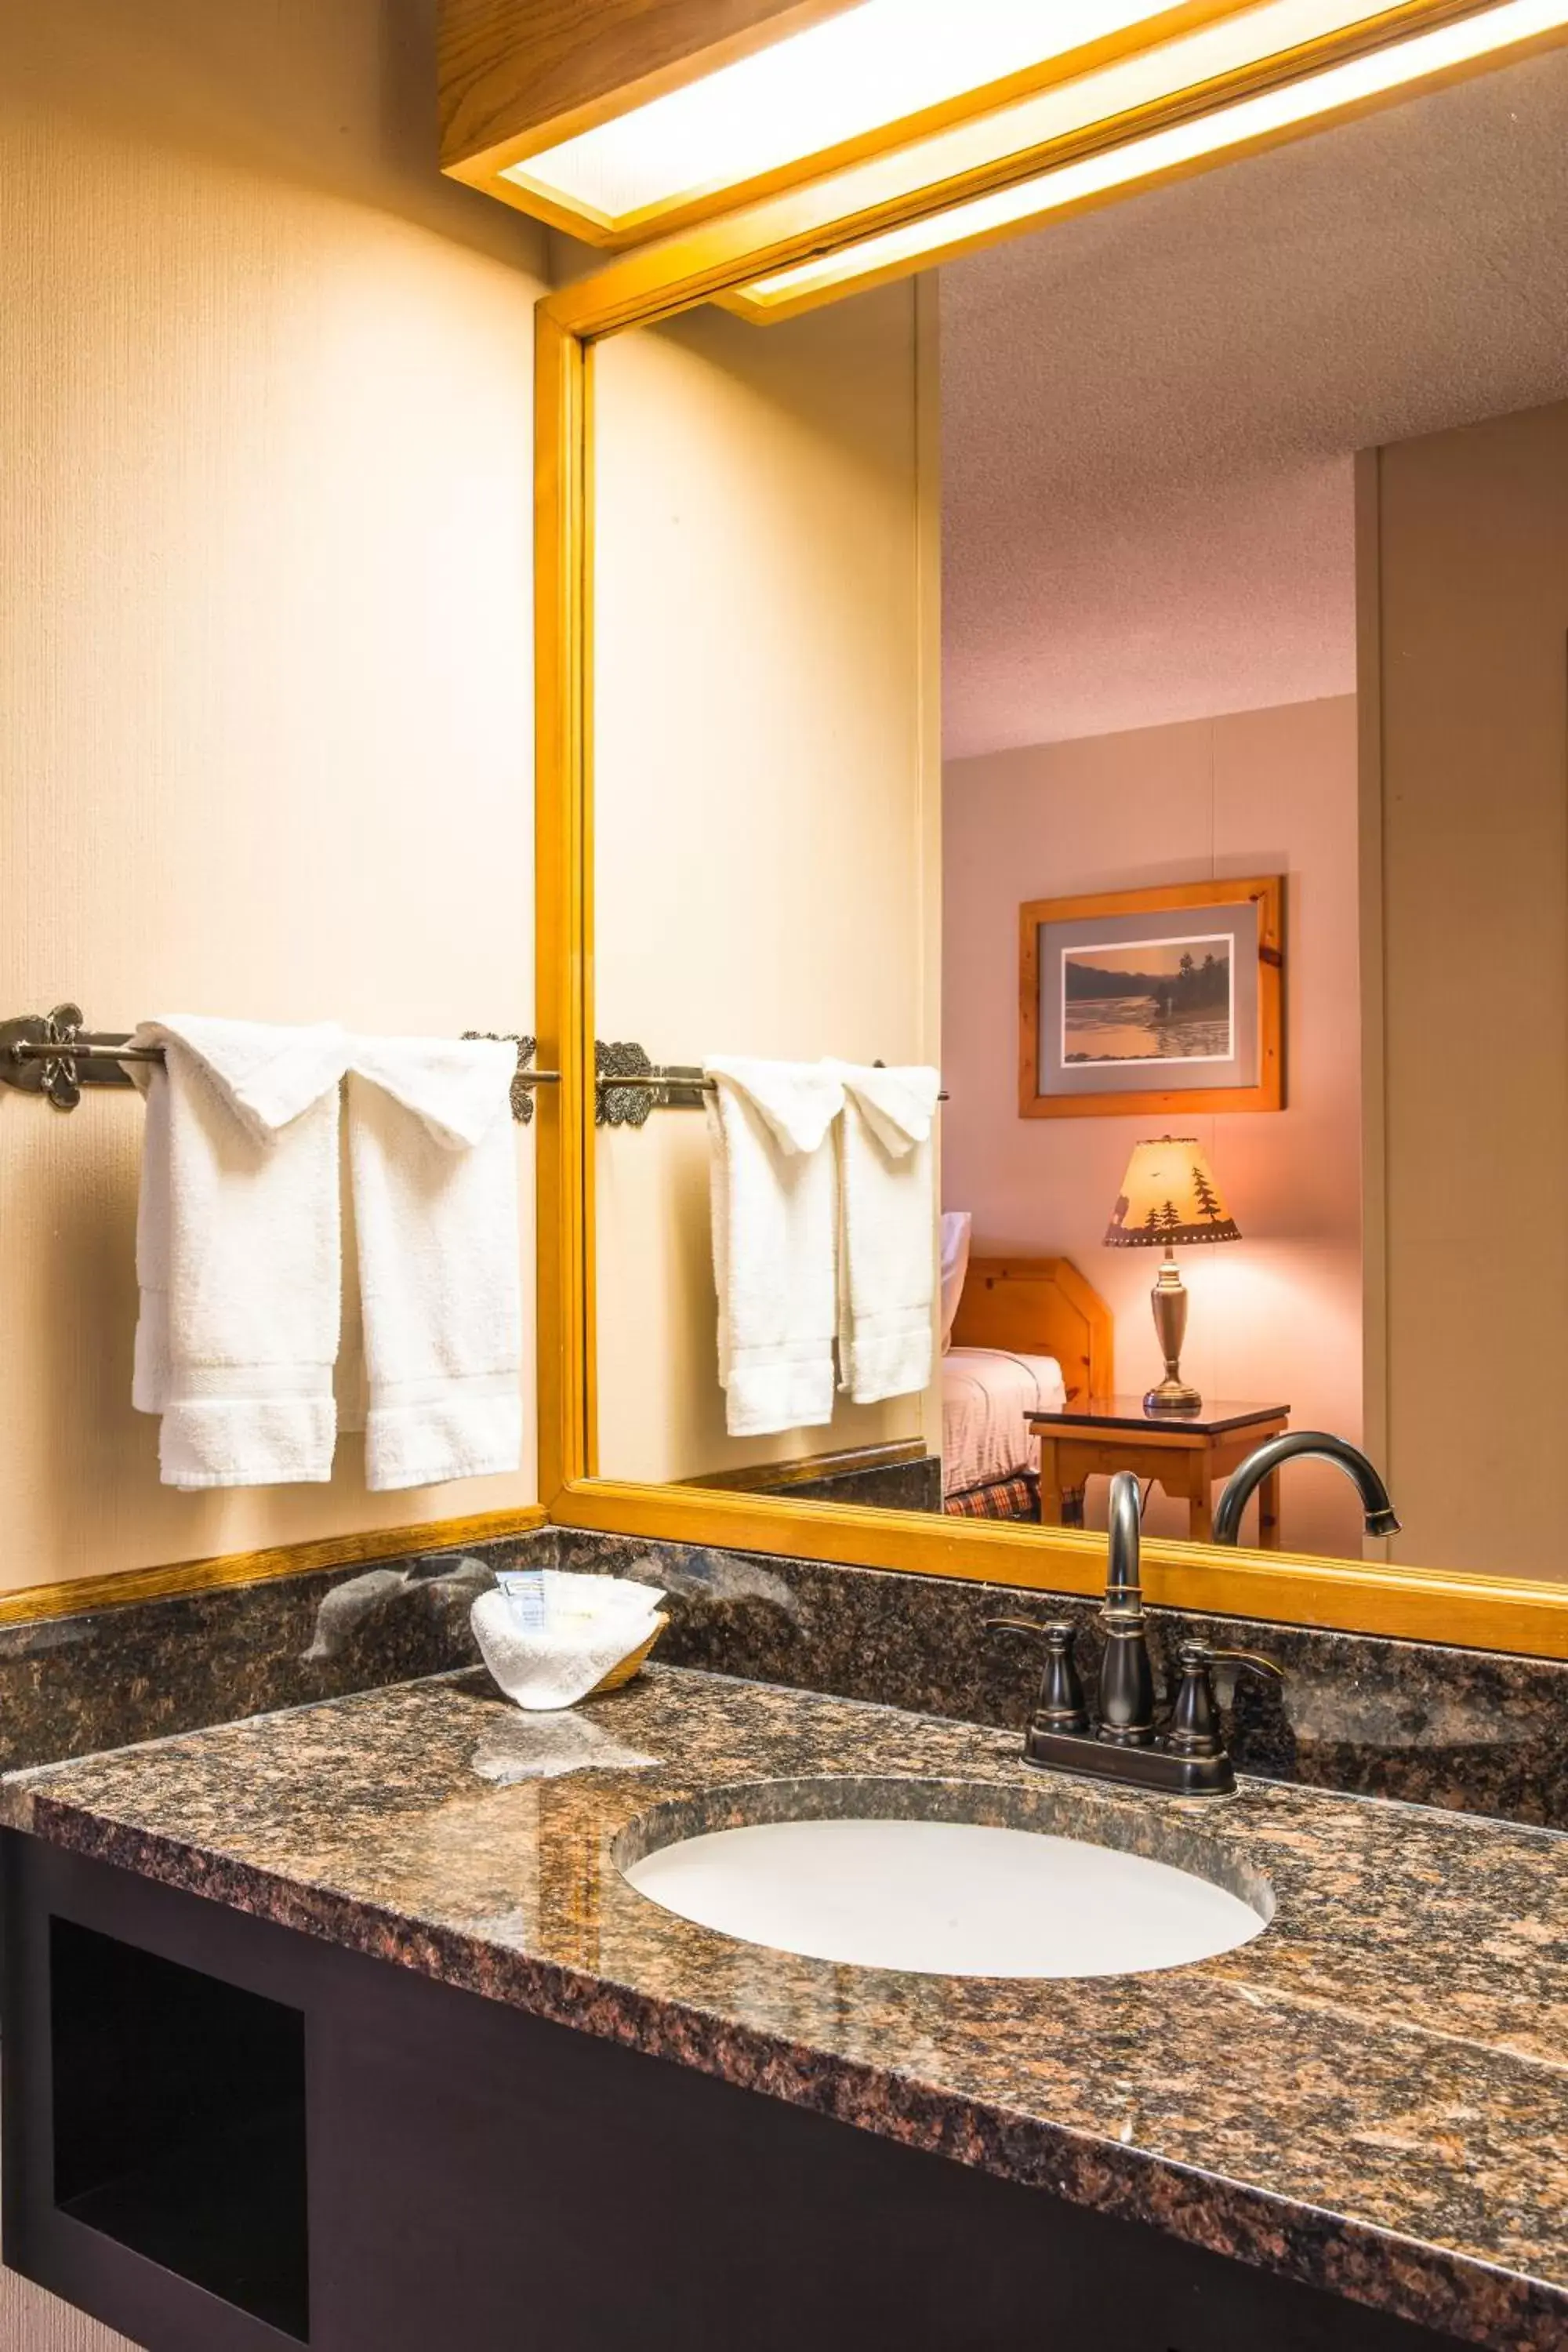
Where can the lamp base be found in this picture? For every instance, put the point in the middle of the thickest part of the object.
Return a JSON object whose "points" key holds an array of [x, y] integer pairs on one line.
{"points": [[1168, 1301], [1172, 1396]]}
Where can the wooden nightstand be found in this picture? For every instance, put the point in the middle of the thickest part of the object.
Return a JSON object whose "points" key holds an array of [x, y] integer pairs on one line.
{"points": [[1185, 1454]]}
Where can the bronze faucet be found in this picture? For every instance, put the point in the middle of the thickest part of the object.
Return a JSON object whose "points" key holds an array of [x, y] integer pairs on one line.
{"points": [[1188, 1758], [1324, 1447]]}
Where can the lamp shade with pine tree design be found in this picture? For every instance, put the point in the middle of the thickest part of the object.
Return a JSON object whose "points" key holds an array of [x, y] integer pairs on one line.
{"points": [[1169, 1196]]}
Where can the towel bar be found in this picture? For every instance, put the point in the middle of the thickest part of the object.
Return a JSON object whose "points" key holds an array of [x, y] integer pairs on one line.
{"points": [[675, 1077], [629, 1087], [50, 1053]]}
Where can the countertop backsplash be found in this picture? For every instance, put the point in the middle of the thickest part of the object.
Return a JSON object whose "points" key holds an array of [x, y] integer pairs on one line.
{"points": [[1461, 1729]]}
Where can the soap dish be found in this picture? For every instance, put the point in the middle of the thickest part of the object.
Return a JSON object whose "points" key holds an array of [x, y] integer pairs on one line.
{"points": [[634, 1664]]}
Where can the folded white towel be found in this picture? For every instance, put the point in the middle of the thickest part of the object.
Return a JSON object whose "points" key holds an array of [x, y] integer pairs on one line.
{"points": [[433, 1164], [238, 1250], [886, 1259], [775, 1217]]}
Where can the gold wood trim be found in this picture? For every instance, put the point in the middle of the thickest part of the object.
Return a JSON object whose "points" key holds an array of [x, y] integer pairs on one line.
{"points": [[1474, 1612], [82, 1595], [562, 433], [1376, 1413], [1491, 1613], [586, 1458]]}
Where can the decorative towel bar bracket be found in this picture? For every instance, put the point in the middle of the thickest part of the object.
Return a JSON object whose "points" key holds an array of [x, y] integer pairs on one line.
{"points": [[50, 1053], [628, 1089], [525, 1080]]}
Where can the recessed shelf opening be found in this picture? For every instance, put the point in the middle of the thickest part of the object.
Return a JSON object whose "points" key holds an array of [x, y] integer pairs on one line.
{"points": [[179, 2113]]}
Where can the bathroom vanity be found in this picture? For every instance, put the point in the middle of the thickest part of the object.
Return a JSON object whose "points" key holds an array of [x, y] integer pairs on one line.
{"points": [[343, 2027]]}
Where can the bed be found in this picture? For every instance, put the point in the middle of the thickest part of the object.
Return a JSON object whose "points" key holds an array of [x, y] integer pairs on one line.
{"points": [[1025, 1336]]}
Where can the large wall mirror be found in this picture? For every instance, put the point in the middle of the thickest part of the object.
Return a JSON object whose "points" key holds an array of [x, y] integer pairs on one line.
{"points": [[1124, 669]]}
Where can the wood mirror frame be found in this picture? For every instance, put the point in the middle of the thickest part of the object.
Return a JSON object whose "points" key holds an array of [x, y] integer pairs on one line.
{"points": [[1476, 1612]]}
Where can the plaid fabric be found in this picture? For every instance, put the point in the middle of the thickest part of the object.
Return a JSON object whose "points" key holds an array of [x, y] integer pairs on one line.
{"points": [[1003, 1499]]}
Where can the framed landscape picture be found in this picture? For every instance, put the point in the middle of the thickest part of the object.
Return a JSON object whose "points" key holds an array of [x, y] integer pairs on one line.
{"points": [[1143, 1001]]}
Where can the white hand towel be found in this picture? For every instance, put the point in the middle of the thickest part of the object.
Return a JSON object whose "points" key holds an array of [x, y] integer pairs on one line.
{"points": [[886, 1259], [238, 1250], [774, 1220], [433, 1165]]}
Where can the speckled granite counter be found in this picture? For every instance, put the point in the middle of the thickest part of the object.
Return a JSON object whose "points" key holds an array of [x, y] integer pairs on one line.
{"points": [[1372, 2096]]}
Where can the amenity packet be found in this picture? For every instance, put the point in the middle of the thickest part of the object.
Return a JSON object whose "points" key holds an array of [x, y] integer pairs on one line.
{"points": [[524, 1590], [554, 1600]]}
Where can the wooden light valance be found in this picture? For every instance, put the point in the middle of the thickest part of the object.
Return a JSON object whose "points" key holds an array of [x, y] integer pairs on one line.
{"points": [[594, 116], [516, 77]]}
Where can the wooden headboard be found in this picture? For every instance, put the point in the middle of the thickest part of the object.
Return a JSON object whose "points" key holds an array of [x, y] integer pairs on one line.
{"points": [[1039, 1307]]}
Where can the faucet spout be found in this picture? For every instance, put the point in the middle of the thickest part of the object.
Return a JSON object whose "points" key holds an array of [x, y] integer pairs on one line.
{"points": [[1122, 1585], [1319, 1443], [1126, 1675]]}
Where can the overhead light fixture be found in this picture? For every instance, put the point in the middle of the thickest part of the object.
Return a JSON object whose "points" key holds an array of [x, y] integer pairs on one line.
{"points": [[881, 71], [1395, 67]]}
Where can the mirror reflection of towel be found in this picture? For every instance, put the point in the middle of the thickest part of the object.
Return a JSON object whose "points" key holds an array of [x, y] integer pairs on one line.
{"points": [[774, 1209], [886, 1189]]}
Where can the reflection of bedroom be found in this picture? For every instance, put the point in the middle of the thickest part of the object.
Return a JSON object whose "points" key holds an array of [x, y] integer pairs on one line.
{"points": [[1201, 464], [1150, 417]]}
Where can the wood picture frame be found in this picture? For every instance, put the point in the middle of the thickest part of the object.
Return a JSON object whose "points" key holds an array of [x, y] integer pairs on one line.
{"points": [[1247, 1035]]}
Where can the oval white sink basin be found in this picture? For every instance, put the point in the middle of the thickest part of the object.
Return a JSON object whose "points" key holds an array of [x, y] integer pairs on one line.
{"points": [[945, 1897]]}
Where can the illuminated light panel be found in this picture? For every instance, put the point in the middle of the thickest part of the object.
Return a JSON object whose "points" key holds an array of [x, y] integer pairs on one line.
{"points": [[875, 66], [1341, 88]]}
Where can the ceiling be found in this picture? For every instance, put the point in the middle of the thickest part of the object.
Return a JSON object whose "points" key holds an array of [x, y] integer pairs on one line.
{"points": [[1150, 412]]}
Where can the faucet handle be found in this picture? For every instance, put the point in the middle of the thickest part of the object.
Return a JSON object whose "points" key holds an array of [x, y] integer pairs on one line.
{"points": [[1247, 1660], [1194, 1717], [1060, 1705]]}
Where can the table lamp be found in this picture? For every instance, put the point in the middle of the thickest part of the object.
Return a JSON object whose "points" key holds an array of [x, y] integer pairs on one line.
{"points": [[1169, 1195]]}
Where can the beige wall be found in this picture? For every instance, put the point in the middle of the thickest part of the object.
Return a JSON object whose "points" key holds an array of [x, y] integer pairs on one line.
{"points": [[1277, 1315], [1472, 607], [765, 786], [263, 646]]}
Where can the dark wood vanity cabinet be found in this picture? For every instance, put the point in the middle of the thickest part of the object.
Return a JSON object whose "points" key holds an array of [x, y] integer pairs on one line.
{"points": [[222, 2136]]}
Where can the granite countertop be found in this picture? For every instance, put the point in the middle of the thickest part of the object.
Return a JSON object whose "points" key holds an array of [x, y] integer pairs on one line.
{"points": [[1371, 2095]]}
